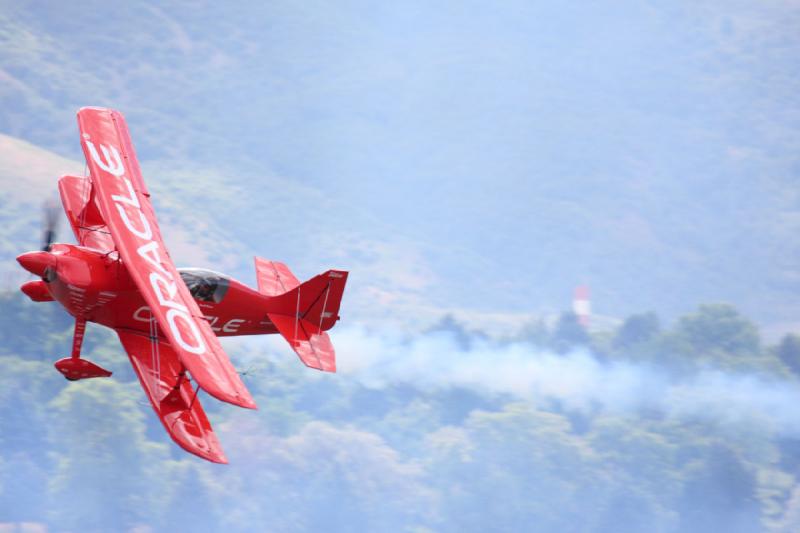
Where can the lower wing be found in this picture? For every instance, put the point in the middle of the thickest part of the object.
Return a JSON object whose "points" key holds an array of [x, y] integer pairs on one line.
{"points": [[171, 394]]}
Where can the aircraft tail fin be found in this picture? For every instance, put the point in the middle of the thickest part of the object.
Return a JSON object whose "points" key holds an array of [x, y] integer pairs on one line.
{"points": [[303, 314]]}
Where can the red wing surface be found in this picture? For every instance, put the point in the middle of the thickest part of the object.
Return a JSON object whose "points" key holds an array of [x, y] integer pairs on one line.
{"points": [[125, 206], [83, 213], [310, 343], [274, 278], [172, 396]]}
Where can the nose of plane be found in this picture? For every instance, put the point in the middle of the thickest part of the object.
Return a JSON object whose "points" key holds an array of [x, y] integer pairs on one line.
{"points": [[37, 262]]}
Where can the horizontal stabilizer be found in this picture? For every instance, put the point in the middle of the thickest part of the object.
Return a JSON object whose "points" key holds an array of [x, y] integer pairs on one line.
{"points": [[311, 344], [274, 278]]}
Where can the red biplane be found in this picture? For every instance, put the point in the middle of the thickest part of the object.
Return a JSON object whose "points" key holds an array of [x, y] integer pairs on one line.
{"points": [[120, 275]]}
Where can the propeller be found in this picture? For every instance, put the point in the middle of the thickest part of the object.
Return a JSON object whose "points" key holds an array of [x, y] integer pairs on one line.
{"points": [[50, 224], [43, 263]]}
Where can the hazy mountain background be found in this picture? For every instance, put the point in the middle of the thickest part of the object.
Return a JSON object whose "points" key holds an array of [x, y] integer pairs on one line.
{"points": [[473, 157], [464, 159]]}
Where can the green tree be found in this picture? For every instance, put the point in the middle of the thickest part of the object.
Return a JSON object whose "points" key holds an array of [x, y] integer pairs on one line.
{"points": [[24, 478], [719, 495], [107, 475], [718, 333], [790, 522], [636, 331], [788, 351], [568, 333], [190, 506], [26, 387], [519, 469], [322, 478], [460, 335], [643, 468], [40, 331], [535, 332]]}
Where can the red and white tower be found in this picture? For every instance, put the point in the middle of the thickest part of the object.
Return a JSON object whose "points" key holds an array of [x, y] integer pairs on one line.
{"points": [[581, 305]]}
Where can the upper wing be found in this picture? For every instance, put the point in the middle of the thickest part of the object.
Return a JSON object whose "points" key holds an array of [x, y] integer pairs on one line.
{"points": [[171, 394], [83, 213], [125, 206]]}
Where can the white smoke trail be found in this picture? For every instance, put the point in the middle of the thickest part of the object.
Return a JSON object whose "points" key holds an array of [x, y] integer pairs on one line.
{"points": [[578, 381]]}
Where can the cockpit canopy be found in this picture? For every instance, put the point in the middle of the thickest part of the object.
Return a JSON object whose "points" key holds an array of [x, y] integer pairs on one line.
{"points": [[205, 285]]}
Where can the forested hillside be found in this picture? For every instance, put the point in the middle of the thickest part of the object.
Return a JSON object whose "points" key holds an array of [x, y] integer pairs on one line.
{"points": [[687, 428], [649, 150], [469, 164]]}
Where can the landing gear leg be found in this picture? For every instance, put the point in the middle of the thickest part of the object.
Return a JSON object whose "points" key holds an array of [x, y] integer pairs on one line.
{"points": [[74, 367]]}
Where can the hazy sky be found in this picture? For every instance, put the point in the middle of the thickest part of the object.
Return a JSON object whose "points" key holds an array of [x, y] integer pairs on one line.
{"points": [[478, 157]]}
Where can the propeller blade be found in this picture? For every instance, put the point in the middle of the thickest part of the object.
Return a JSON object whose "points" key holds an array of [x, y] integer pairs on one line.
{"points": [[50, 224]]}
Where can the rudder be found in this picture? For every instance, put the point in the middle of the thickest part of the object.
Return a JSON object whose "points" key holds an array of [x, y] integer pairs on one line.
{"points": [[316, 301]]}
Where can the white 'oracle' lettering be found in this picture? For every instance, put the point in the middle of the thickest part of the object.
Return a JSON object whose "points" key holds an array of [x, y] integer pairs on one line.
{"points": [[182, 328], [131, 199], [212, 320], [172, 315], [140, 316], [149, 252], [159, 284], [114, 167], [233, 325], [145, 234]]}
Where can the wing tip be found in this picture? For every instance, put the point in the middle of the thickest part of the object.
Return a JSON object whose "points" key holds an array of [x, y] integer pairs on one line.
{"points": [[250, 404], [90, 109], [214, 455], [208, 447], [240, 398], [331, 368], [221, 460]]}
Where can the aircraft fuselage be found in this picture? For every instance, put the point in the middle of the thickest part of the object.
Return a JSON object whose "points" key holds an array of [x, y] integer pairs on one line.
{"points": [[97, 287]]}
